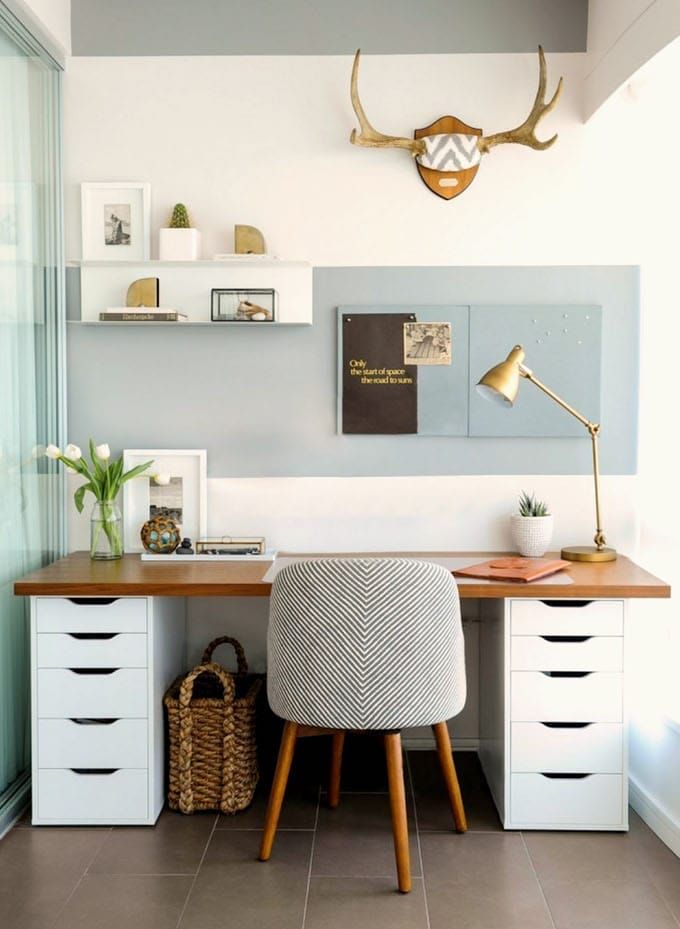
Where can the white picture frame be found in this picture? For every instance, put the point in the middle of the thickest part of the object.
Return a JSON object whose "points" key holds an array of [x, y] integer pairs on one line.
{"points": [[187, 464], [116, 220]]}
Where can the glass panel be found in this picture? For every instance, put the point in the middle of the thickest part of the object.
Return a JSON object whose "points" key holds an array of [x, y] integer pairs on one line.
{"points": [[31, 347]]}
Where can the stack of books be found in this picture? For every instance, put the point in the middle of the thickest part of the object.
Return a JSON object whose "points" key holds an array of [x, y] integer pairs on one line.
{"points": [[141, 314]]}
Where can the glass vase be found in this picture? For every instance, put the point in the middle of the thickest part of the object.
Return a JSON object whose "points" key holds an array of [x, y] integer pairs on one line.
{"points": [[106, 531]]}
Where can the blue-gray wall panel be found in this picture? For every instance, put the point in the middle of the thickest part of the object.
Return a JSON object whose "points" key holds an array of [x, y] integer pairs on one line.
{"points": [[325, 27], [262, 400]]}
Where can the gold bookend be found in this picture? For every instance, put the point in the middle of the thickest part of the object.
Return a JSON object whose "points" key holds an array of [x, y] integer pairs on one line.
{"points": [[143, 292], [248, 241]]}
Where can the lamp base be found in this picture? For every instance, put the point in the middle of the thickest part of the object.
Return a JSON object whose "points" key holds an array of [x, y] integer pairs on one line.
{"points": [[588, 553]]}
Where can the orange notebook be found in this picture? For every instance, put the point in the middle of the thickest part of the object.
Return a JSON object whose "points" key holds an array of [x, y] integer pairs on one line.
{"points": [[513, 569]]}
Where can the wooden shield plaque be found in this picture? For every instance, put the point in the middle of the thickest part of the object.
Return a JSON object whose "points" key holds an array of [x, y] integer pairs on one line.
{"points": [[447, 184]]}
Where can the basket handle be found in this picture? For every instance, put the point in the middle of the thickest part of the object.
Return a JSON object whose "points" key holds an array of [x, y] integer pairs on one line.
{"points": [[186, 722], [241, 662]]}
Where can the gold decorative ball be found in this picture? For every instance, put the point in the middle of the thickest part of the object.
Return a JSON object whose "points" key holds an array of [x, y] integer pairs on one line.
{"points": [[160, 535]]}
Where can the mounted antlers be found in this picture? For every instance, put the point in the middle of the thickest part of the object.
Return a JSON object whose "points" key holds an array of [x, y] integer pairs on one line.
{"points": [[369, 136], [524, 134]]}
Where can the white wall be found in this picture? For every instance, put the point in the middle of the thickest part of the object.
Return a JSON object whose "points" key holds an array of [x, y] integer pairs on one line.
{"points": [[264, 141], [55, 16]]}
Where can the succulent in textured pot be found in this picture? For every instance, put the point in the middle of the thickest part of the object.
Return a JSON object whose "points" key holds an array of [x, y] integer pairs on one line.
{"points": [[532, 527], [179, 241], [104, 479]]}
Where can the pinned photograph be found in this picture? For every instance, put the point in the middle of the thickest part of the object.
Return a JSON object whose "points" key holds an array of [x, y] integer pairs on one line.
{"points": [[165, 499], [117, 224], [427, 343]]}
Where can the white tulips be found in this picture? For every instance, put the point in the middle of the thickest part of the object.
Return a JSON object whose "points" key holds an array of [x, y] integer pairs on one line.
{"points": [[103, 452], [73, 452], [161, 479], [53, 452]]}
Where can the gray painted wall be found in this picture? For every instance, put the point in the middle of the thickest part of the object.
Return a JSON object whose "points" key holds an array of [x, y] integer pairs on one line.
{"points": [[325, 27], [262, 400]]}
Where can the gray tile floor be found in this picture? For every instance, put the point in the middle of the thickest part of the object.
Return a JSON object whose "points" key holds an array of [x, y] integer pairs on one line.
{"points": [[335, 869]]}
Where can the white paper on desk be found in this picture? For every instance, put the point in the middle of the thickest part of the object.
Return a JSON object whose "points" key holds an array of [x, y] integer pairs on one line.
{"points": [[451, 564]]}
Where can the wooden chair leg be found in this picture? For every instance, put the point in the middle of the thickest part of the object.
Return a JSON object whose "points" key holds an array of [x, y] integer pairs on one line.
{"points": [[336, 766], [441, 734], [285, 759], [395, 780]]}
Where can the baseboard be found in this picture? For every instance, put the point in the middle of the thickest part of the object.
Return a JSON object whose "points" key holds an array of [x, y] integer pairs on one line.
{"points": [[657, 818], [426, 743], [15, 802]]}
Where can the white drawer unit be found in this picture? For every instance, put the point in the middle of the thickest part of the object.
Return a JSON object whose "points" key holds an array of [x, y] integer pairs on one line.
{"points": [[91, 650], [99, 669], [566, 653], [88, 742], [575, 801], [566, 696], [565, 617], [90, 614], [87, 795], [596, 748], [112, 693]]}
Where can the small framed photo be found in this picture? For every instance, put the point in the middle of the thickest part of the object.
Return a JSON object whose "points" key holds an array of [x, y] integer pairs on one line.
{"points": [[116, 221], [243, 306], [174, 486]]}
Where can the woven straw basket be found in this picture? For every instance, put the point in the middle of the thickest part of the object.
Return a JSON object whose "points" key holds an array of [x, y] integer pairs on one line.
{"points": [[212, 745]]}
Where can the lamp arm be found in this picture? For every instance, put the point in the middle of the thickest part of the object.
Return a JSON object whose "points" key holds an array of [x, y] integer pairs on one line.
{"points": [[594, 431]]}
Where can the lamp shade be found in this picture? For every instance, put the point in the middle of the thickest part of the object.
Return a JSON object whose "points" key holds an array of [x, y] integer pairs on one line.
{"points": [[501, 383]]}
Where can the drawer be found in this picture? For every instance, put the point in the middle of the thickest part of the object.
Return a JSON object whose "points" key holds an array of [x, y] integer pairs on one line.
{"points": [[90, 614], [63, 693], [92, 743], [567, 617], [114, 797], [595, 800], [595, 747], [566, 653], [91, 650], [591, 698]]}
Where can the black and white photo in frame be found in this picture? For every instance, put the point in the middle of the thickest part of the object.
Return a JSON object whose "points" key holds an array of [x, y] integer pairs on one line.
{"points": [[116, 221]]}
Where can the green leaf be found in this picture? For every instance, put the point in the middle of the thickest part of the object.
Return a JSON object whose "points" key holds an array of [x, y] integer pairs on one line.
{"points": [[136, 471], [79, 495]]}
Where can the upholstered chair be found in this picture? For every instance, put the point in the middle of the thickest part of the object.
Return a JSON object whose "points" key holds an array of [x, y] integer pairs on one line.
{"points": [[365, 644]]}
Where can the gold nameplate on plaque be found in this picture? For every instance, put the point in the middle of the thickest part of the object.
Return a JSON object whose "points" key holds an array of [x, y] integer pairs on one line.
{"points": [[143, 292]]}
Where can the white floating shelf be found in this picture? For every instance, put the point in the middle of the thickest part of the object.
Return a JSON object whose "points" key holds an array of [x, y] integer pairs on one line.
{"points": [[186, 285]]}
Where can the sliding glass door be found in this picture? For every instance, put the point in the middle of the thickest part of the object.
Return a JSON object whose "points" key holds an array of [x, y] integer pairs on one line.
{"points": [[31, 368]]}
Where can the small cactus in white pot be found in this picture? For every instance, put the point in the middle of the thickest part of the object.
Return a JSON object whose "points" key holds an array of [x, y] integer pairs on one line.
{"points": [[532, 527], [179, 241]]}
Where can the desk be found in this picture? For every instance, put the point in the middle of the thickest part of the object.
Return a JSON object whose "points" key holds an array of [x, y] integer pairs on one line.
{"points": [[108, 637]]}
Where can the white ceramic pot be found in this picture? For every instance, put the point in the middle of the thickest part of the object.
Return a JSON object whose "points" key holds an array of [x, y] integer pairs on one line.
{"points": [[531, 535], [179, 244]]}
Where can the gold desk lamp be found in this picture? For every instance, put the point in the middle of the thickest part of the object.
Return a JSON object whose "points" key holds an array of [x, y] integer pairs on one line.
{"points": [[501, 385]]}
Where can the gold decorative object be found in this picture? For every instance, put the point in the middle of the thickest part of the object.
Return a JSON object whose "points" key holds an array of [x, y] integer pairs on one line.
{"points": [[248, 241], [448, 152], [160, 535], [143, 292], [501, 385]]}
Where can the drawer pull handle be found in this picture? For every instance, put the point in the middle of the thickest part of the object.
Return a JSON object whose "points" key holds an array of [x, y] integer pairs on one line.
{"points": [[566, 725], [566, 638], [93, 670], [566, 673], [566, 776], [93, 720], [94, 770], [92, 601], [93, 636], [566, 603]]}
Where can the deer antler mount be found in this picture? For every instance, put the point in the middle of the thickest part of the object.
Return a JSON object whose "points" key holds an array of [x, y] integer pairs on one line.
{"points": [[448, 152]]}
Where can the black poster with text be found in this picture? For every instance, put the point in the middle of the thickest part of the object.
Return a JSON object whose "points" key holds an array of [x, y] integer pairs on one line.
{"points": [[379, 392]]}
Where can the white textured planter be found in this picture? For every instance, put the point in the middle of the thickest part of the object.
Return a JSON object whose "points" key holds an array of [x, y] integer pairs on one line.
{"points": [[531, 535], [179, 244]]}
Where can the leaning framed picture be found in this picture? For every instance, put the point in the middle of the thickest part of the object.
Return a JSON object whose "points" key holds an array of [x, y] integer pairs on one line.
{"points": [[175, 486], [116, 220]]}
